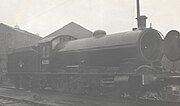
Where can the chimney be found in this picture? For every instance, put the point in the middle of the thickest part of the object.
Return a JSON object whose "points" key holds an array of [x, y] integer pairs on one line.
{"points": [[141, 19], [16, 27]]}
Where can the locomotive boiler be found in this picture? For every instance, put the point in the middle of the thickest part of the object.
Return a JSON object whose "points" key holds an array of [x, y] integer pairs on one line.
{"points": [[138, 46]]}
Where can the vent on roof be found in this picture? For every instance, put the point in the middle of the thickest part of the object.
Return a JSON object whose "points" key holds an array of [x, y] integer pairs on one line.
{"points": [[37, 34], [16, 27]]}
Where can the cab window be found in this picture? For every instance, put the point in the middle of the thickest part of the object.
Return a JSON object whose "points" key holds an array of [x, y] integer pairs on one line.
{"points": [[55, 42], [61, 40], [45, 51]]}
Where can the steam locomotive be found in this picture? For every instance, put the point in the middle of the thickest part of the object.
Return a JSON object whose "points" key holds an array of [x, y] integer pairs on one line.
{"points": [[119, 64]]}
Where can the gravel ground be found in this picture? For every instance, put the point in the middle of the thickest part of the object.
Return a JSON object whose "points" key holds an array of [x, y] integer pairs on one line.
{"points": [[57, 98]]}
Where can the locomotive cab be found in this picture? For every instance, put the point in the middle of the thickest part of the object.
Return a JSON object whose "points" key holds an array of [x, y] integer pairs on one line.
{"points": [[48, 46]]}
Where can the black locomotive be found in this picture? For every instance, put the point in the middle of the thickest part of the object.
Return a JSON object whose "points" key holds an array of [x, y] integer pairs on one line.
{"points": [[121, 64]]}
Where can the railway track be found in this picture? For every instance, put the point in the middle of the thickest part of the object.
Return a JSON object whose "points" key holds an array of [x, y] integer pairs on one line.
{"points": [[83, 100], [148, 102], [12, 101]]}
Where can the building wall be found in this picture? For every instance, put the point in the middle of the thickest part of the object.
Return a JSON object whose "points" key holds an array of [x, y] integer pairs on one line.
{"points": [[11, 38], [72, 29]]}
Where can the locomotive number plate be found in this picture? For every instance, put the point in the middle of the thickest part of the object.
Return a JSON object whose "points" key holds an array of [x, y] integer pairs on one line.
{"points": [[45, 61]]}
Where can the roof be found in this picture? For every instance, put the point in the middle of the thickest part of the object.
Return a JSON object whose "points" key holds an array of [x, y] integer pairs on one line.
{"points": [[22, 31], [72, 29], [49, 39]]}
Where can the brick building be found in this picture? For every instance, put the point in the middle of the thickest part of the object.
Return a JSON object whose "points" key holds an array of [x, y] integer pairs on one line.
{"points": [[72, 29], [11, 38]]}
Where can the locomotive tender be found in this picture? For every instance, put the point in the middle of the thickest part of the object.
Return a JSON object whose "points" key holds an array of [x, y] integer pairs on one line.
{"points": [[120, 64]]}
